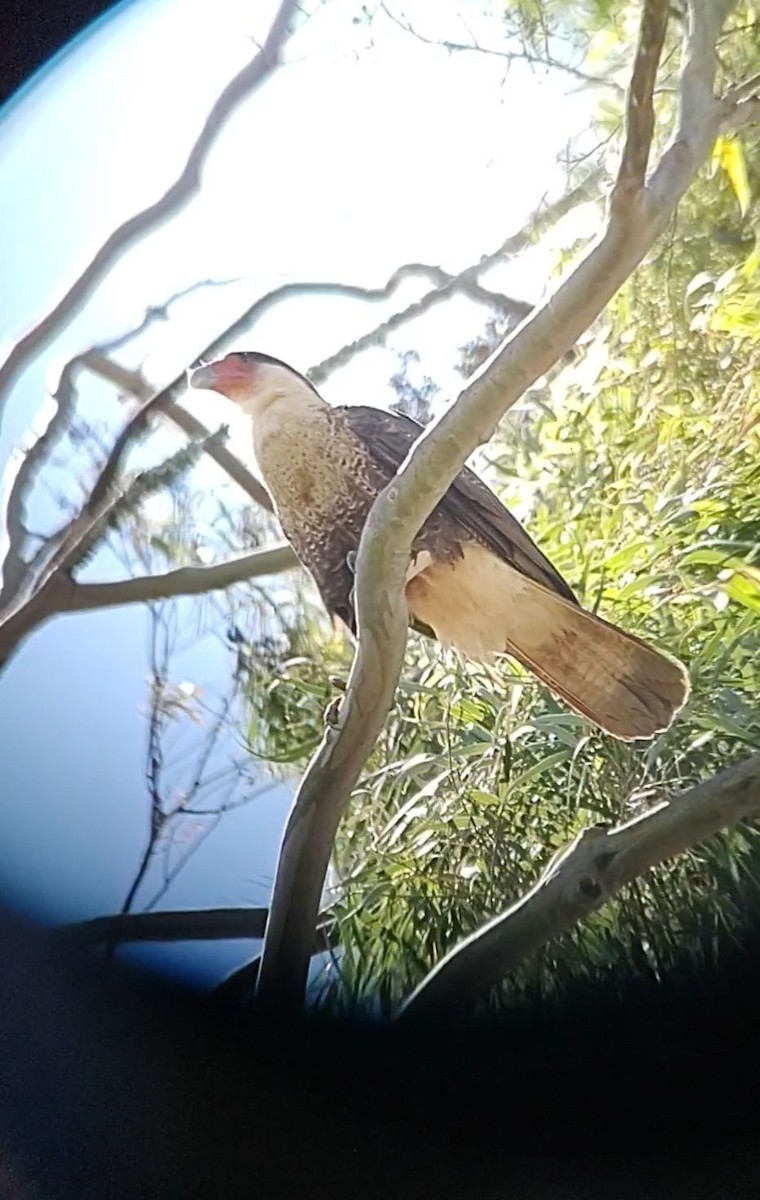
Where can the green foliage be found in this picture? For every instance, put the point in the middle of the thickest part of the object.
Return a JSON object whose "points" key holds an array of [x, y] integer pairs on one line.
{"points": [[645, 490], [290, 688], [639, 475], [643, 482]]}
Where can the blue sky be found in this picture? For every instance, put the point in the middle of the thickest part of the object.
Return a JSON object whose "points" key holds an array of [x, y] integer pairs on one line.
{"points": [[366, 150]]}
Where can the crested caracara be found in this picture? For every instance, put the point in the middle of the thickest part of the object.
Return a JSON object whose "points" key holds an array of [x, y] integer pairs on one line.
{"points": [[476, 580]]}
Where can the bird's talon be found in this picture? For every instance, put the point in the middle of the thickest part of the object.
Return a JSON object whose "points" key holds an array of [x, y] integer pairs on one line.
{"points": [[331, 712], [351, 561]]}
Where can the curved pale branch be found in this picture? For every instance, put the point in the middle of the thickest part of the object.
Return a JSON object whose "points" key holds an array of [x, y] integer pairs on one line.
{"points": [[61, 594], [637, 220], [163, 402], [180, 192], [583, 878], [19, 475], [326, 786], [184, 581]]}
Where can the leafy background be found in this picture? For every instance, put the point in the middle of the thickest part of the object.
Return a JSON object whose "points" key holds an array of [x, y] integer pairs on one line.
{"points": [[638, 472]]}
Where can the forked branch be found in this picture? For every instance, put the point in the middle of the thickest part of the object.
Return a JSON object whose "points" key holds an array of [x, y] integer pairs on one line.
{"points": [[184, 187], [640, 214], [583, 878]]}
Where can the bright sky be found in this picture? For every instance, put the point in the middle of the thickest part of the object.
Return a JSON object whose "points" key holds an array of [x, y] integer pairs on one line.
{"points": [[366, 150]]}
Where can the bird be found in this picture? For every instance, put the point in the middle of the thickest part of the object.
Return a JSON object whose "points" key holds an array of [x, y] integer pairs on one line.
{"points": [[477, 582]]}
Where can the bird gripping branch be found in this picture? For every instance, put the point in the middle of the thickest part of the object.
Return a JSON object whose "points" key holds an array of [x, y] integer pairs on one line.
{"points": [[476, 580]]}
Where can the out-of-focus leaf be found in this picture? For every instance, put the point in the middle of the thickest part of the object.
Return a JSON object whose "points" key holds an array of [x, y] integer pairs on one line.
{"points": [[729, 155]]}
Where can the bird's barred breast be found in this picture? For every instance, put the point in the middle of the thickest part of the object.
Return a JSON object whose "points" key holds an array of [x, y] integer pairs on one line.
{"points": [[316, 472]]}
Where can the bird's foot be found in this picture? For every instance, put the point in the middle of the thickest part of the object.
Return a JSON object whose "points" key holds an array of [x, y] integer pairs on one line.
{"points": [[330, 717]]}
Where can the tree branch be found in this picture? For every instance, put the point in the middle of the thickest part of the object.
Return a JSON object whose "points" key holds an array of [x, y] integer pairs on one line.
{"points": [[466, 281], [582, 879], [14, 566], [97, 360], [634, 223], [181, 191], [550, 64], [135, 383], [20, 476], [187, 925], [741, 104], [163, 402], [184, 581], [746, 113], [640, 101]]}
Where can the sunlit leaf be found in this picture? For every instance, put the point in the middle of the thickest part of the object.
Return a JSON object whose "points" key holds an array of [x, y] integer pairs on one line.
{"points": [[729, 155]]}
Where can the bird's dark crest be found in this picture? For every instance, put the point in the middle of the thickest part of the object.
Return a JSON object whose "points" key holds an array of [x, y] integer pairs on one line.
{"points": [[258, 356]]}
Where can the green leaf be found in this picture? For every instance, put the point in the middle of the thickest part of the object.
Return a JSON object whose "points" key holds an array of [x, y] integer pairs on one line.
{"points": [[729, 155], [744, 587]]}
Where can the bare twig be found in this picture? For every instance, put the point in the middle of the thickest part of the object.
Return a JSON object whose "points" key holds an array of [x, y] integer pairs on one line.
{"points": [[583, 878], [20, 478], [57, 592], [134, 382], [180, 192], [153, 403], [14, 566], [165, 813], [635, 222], [746, 113], [743, 91], [741, 104], [523, 55], [465, 281], [160, 312], [154, 765], [162, 402], [185, 581]]}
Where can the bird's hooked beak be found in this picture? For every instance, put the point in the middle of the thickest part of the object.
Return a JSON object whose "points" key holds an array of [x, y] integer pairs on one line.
{"points": [[229, 375]]}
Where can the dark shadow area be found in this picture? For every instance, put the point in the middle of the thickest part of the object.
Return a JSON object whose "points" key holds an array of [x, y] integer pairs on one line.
{"points": [[32, 34], [126, 1086]]}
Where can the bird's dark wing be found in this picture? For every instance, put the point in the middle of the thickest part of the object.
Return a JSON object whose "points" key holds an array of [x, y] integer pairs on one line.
{"points": [[469, 503]]}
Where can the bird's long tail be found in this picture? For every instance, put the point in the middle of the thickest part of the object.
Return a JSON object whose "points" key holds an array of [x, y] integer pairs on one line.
{"points": [[624, 686], [619, 682]]}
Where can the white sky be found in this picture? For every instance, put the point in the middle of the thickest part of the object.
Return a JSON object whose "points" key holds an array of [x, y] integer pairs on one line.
{"points": [[366, 150]]}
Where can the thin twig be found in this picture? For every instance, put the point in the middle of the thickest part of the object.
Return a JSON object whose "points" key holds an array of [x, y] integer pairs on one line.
{"points": [[550, 64], [134, 382], [16, 570], [173, 200], [466, 280]]}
